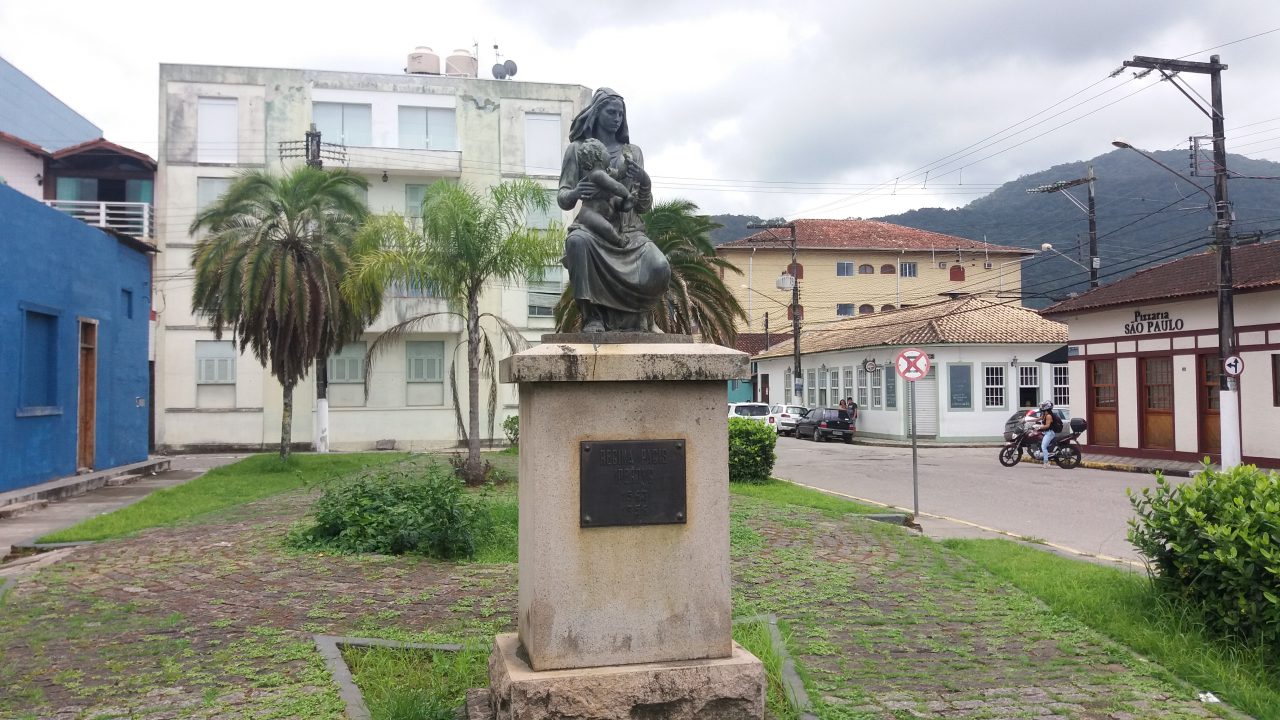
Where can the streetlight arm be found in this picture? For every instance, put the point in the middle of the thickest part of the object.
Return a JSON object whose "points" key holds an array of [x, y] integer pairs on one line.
{"points": [[1064, 256]]}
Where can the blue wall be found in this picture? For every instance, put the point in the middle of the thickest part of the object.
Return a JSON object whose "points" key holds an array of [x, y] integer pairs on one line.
{"points": [[57, 271]]}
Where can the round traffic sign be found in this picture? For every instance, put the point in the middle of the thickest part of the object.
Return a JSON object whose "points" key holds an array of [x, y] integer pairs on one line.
{"points": [[1233, 365], [913, 364]]}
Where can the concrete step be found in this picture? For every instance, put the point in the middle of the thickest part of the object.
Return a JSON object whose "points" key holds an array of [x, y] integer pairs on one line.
{"points": [[18, 508], [126, 479]]}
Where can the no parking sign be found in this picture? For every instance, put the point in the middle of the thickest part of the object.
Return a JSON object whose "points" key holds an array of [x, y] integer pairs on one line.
{"points": [[913, 364]]}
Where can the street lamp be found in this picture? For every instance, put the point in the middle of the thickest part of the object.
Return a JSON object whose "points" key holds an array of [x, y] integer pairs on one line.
{"points": [[1048, 247], [1228, 390]]}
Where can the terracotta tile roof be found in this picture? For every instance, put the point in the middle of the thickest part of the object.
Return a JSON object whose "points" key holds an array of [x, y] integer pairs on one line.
{"points": [[752, 342], [863, 235], [1252, 266], [107, 145], [968, 320], [24, 144]]}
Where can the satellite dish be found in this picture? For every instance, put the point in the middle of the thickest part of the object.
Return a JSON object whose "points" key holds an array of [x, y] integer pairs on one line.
{"points": [[500, 71], [510, 66]]}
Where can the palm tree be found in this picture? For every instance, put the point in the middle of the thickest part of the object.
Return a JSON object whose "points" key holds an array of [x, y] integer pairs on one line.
{"points": [[697, 298], [271, 266], [468, 239]]}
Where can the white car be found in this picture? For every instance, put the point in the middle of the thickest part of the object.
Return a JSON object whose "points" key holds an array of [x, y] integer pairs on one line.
{"points": [[782, 418], [749, 410]]}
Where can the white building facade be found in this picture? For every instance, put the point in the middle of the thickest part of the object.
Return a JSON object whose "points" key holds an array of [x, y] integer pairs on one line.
{"points": [[1144, 358], [402, 132], [983, 368]]}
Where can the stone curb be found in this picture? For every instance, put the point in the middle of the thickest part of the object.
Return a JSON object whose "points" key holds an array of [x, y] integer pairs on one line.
{"points": [[330, 647], [1121, 467], [791, 682]]}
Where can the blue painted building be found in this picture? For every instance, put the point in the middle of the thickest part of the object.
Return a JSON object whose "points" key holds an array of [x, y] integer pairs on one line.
{"points": [[74, 314]]}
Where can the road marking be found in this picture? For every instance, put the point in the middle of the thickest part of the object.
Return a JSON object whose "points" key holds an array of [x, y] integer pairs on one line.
{"points": [[1055, 546]]}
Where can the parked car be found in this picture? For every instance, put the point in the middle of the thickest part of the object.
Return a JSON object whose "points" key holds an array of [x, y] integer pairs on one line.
{"points": [[1013, 425], [783, 418], [824, 424], [750, 410]]}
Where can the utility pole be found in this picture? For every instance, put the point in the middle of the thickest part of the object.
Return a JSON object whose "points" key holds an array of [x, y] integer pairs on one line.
{"points": [[321, 439], [1228, 396], [795, 299], [1091, 210]]}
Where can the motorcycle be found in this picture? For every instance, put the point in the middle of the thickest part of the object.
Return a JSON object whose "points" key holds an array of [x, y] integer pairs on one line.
{"points": [[1064, 450]]}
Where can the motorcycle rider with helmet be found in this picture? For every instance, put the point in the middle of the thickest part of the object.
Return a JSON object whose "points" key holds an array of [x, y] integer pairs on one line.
{"points": [[1049, 425]]}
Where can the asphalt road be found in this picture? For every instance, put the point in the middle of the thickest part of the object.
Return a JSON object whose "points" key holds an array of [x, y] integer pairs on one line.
{"points": [[1083, 510]]}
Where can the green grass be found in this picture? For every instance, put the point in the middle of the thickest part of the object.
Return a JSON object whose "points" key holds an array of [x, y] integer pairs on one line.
{"points": [[250, 479], [500, 541], [412, 684], [783, 493], [1127, 608], [755, 638]]}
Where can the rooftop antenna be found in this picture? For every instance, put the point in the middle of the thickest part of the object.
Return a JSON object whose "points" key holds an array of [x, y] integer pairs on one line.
{"points": [[502, 70]]}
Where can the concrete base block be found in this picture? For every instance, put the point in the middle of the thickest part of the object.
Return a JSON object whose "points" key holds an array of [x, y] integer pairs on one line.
{"points": [[729, 688]]}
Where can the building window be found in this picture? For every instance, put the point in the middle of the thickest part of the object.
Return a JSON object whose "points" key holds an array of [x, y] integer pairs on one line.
{"points": [[959, 386], [217, 130], [542, 152], [424, 361], [786, 387], [811, 386], [209, 189], [347, 366], [862, 387], [1061, 385], [822, 389], [848, 388], [540, 219], [1275, 380], [866, 309], [344, 123], [1028, 385], [957, 273], [39, 360], [126, 303], [545, 291], [413, 195], [422, 128], [908, 269], [890, 388], [866, 270], [215, 362], [844, 309], [844, 269], [886, 269], [875, 388], [993, 386], [886, 308]]}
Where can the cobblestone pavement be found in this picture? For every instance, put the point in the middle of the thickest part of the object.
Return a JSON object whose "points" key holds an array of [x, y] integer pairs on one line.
{"points": [[215, 621]]}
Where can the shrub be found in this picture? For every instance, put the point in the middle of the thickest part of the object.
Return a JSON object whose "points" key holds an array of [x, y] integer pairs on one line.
{"points": [[407, 509], [1215, 542], [751, 451], [511, 427]]}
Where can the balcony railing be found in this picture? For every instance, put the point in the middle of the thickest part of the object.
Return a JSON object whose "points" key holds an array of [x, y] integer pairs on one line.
{"points": [[131, 218]]}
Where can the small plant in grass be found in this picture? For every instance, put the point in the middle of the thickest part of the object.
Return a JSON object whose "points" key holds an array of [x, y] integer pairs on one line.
{"points": [[396, 511], [1215, 543], [752, 451], [511, 428]]}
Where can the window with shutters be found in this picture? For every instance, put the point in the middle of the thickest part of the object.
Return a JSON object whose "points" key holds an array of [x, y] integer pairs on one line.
{"points": [[811, 385], [215, 362], [347, 366], [217, 130], [39, 374], [875, 387], [862, 387], [542, 151], [545, 291], [993, 386]]}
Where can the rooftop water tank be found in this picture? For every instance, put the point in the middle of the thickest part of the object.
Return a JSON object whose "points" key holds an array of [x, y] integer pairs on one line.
{"points": [[461, 64], [423, 61]]}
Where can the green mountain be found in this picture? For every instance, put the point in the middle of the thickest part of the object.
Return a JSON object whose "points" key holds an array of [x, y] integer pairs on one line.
{"points": [[1145, 216], [734, 227]]}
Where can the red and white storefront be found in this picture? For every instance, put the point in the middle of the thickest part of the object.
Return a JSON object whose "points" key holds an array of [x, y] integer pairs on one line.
{"points": [[1148, 372]]}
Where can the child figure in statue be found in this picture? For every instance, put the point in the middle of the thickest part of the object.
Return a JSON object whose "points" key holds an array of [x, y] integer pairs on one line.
{"points": [[601, 213]]}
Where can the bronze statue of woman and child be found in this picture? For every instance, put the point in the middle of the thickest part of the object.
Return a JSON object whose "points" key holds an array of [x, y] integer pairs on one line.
{"points": [[616, 272]]}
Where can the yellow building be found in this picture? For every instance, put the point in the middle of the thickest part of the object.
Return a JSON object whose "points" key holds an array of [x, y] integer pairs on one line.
{"points": [[853, 267]]}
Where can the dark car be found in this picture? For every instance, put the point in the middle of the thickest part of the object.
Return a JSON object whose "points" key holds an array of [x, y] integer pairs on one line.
{"points": [[1013, 425], [824, 424]]}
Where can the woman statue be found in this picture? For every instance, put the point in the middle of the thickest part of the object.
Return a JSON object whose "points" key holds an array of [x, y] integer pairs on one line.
{"points": [[616, 271]]}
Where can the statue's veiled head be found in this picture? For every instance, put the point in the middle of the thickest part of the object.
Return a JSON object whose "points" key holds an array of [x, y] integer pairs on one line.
{"points": [[606, 115]]}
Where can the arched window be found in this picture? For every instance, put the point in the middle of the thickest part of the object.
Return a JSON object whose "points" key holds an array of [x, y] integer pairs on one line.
{"points": [[886, 308], [888, 270], [796, 270], [957, 273], [866, 270], [866, 309]]}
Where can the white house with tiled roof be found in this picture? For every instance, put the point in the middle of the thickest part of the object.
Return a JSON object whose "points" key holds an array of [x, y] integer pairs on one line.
{"points": [[983, 368], [858, 267], [1144, 359]]}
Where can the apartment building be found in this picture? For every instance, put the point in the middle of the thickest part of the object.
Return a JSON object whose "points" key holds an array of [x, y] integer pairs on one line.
{"points": [[402, 132]]}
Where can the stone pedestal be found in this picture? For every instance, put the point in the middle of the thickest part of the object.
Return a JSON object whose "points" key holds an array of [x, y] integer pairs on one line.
{"points": [[625, 595]]}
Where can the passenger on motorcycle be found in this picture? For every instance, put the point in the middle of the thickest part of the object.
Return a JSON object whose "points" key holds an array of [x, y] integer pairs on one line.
{"points": [[1050, 424]]}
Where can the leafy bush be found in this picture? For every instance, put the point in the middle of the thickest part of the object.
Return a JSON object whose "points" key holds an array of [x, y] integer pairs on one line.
{"points": [[405, 509], [1215, 542], [751, 451], [511, 427]]}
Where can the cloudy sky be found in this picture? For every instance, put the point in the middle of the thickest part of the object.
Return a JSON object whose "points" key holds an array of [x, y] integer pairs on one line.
{"points": [[802, 108]]}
